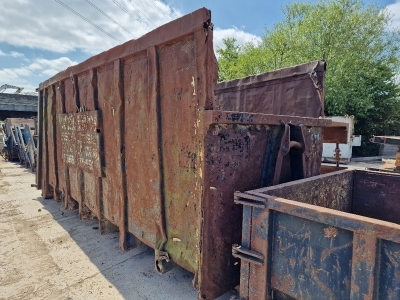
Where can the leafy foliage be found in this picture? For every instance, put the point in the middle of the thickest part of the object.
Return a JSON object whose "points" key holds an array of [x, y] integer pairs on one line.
{"points": [[362, 54]]}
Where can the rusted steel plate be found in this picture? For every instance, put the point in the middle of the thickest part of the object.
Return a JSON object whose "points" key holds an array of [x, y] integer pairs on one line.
{"points": [[231, 152], [46, 152], [68, 90], [182, 148], [80, 151], [392, 140], [229, 117], [305, 251], [311, 260], [144, 166], [51, 125], [294, 91], [110, 105], [67, 128], [335, 134], [331, 190], [80, 145], [389, 279], [329, 169], [385, 190], [40, 172], [61, 187], [141, 147]]}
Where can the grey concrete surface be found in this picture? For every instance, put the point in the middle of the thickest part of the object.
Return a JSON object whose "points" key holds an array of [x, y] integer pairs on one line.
{"points": [[48, 253]]}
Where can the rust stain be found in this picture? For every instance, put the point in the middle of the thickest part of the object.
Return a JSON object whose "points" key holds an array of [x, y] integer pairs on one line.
{"points": [[314, 274], [330, 232], [292, 262], [283, 248], [393, 257], [355, 288], [327, 252], [285, 283]]}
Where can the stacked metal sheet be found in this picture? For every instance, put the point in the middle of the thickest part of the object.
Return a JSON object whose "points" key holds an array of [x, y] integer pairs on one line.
{"points": [[19, 141]]}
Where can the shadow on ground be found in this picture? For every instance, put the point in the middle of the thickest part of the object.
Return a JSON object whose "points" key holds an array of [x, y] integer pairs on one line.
{"points": [[131, 272]]}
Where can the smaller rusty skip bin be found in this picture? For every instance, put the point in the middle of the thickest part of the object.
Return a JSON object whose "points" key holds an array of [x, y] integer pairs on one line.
{"points": [[338, 237]]}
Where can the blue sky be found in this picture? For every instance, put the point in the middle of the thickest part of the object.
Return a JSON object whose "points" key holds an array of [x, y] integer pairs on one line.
{"points": [[39, 38]]}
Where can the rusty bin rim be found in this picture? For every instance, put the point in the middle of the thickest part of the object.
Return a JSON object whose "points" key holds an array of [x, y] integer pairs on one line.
{"points": [[154, 37], [295, 70]]}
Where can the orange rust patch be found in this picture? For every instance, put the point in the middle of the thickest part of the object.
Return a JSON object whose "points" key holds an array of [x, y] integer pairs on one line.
{"points": [[330, 232], [292, 262]]}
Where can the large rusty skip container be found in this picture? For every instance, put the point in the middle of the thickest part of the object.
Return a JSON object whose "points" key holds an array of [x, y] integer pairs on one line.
{"points": [[135, 137], [333, 236]]}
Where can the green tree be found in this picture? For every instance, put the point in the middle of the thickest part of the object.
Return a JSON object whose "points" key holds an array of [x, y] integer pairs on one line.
{"points": [[228, 59], [362, 55]]}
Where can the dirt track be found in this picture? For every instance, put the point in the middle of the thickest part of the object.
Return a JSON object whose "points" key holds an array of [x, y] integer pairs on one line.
{"points": [[47, 253]]}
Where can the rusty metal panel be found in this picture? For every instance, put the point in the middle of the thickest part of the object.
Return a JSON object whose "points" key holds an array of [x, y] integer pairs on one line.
{"points": [[110, 97], [46, 152], [80, 152], [40, 172], [233, 161], [88, 142], [142, 148], [296, 91], [392, 140], [300, 249], [329, 169], [240, 150], [72, 173], [384, 188], [389, 278], [308, 263], [336, 134], [143, 187], [67, 126], [51, 123], [318, 190], [181, 149], [61, 186], [80, 143]]}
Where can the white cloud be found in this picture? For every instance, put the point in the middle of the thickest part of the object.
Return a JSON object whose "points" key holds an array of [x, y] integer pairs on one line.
{"points": [[49, 72], [21, 76], [51, 26], [48, 25], [58, 64], [12, 53], [240, 35], [16, 54], [394, 11]]}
